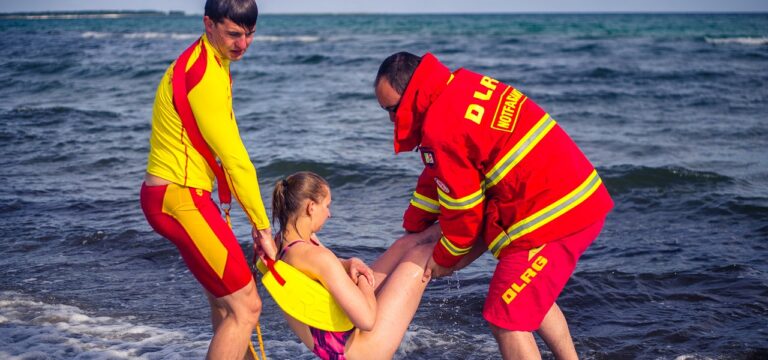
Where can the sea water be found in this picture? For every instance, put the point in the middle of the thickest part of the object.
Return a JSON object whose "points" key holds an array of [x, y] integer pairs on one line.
{"points": [[671, 109]]}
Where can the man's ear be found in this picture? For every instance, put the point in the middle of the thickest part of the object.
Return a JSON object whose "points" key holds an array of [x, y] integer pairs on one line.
{"points": [[208, 24]]}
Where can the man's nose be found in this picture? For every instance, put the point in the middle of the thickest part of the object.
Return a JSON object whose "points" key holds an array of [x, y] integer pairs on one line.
{"points": [[242, 42]]}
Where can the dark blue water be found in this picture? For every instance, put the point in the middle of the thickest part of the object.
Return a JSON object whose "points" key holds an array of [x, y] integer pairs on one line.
{"points": [[672, 109]]}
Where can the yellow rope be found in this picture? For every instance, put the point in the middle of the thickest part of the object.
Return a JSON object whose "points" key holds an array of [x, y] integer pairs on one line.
{"points": [[258, 326], [252, 351], [261, 342]]}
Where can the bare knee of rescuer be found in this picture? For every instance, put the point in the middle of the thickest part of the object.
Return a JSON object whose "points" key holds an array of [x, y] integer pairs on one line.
{"points": [[241, 311], [516, 344]]}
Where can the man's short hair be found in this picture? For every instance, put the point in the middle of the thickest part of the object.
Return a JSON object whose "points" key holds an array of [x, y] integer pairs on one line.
{"points": [[240, 12], [398, 69]]}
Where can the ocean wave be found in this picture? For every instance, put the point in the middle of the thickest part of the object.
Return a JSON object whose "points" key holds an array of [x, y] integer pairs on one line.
{"points": [[40, 67], [69, 16], [36, 329], [150, 35], [313, 59], [422, 343], [157, 35], [51, 114], [625, 178], [336, 174], [752, 41]]}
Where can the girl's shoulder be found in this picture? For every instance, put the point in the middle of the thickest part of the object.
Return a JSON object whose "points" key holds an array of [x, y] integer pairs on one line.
{"points": [[315, 261]]}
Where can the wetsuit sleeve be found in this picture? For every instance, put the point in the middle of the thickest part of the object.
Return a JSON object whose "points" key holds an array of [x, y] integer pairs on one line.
{"points": [[211, 103], [461, 197], [424, 207]]}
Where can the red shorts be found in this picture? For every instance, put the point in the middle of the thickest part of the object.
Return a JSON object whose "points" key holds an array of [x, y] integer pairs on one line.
{"points": [[526, 283], [192, 221]]}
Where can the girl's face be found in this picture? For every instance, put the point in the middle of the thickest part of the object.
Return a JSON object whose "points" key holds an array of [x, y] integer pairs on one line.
{"points": [[320, 212]]}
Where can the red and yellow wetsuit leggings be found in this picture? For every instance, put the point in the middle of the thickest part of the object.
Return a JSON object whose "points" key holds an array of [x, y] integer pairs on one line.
{"points": [[190, 219]]}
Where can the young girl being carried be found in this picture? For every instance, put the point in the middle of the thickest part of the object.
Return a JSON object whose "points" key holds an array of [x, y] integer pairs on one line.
{"points": [[380, 301]]}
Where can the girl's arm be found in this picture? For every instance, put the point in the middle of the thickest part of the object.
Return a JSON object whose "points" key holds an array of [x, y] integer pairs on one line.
{"points": [[353, 266], [356, 268], [357, 300]]}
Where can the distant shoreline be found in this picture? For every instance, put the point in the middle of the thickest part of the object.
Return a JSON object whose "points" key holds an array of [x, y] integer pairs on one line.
{"points": [[114, 14], [95, 14]]}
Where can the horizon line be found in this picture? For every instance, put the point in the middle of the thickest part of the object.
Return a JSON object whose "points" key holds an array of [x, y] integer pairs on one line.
{"points": [[594, 12]]}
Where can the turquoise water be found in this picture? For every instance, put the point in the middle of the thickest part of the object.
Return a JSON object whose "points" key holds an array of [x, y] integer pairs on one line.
{"points": [[671, 109]]}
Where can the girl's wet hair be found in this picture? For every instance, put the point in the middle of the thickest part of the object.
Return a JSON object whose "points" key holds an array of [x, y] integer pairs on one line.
{"points": [[290, 193]]}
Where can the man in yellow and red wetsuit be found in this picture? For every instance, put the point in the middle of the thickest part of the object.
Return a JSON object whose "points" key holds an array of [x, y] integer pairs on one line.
{"points": [[499, 174], [193, 124]]}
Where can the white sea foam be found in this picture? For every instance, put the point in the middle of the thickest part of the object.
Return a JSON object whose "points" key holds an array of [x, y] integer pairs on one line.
{"points": [[176, 36], [69, 16], [158, 35], [95, 35], [34, 329], [181, 36], [298, 38], [694, 357], [140, 35], [416, 338], [754, 41]]}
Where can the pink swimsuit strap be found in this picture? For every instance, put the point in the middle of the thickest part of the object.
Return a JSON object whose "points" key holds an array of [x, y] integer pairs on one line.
{"points": [[285, 249]]}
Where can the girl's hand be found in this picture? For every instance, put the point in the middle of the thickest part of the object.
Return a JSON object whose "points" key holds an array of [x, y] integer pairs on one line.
{"points": [[357, 268]]}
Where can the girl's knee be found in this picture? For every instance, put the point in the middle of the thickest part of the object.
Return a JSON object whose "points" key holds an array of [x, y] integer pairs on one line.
{"points": [[406, 241]]}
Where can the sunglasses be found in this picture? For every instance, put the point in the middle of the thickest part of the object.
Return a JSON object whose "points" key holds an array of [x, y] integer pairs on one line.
{"points": [[392, 108]]}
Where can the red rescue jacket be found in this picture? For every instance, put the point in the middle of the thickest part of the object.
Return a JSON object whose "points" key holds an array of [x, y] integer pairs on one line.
{"points": [[496, 165]]}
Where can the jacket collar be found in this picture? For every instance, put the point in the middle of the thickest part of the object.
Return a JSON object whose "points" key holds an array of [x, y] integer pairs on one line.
{"points": [[428, 82]]}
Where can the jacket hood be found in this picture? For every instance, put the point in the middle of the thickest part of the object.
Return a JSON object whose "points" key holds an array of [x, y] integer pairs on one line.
{"points": [[428, 81]]}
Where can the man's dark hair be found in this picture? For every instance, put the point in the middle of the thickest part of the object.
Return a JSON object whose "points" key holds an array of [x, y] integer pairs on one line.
{"points": [[240, 12], [398, 69]]}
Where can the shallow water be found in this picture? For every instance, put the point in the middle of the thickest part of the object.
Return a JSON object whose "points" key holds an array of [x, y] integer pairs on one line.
{"points": [[671, 109]]}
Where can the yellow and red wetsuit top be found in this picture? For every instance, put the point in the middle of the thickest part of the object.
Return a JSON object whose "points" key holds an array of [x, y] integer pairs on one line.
{"points": [[496, 165], [172, 156]]}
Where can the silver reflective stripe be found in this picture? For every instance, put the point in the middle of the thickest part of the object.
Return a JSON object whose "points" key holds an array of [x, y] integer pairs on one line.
{"points": [[454, 204], [425, 205], [453, 249], [544, 217], [530, 141]]}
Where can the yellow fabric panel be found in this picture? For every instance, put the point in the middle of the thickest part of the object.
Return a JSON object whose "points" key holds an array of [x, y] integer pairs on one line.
{"points": [[304, 299], [172, 156], [178, 204]]}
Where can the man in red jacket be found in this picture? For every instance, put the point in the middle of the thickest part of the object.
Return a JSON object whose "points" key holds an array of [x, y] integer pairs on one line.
{"points": [[499, 174]]}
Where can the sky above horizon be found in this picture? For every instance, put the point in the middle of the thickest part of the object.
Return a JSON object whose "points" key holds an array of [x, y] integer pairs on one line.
{"points": [[400, 6]]}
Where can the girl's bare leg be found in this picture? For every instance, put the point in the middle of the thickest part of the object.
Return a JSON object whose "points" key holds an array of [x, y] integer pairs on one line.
{"points": [[386, 263], [398, 300]]}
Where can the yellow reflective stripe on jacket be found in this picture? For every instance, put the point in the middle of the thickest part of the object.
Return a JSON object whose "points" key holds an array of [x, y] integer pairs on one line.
{"points": [[464, 203], [453, 249], [424, 203], [547, 214], [520, 150]]}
